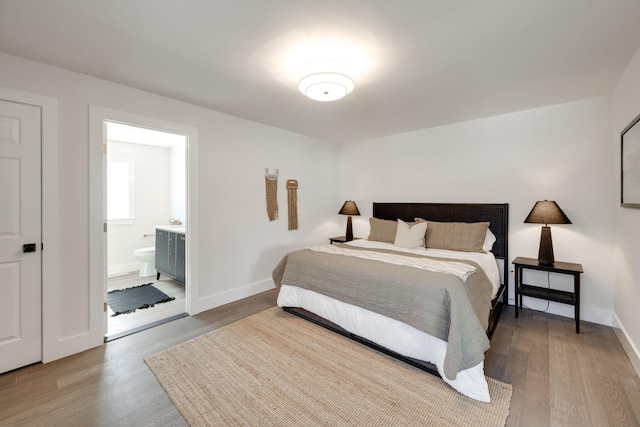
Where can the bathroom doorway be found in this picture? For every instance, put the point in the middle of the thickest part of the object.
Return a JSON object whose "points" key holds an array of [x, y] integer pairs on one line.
{"points": [[146, 211]]}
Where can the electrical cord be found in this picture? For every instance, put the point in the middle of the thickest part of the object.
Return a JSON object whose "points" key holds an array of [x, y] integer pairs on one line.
{"points": [[534, 309]]}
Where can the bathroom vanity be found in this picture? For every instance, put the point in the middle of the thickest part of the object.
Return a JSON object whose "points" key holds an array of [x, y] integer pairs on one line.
{"points": [[170, 251]]}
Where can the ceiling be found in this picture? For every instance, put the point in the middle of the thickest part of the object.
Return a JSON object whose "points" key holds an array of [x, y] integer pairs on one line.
{"points": [[415, 63]]}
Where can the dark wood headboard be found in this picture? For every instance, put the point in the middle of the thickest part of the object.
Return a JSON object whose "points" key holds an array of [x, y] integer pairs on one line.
{"points": [[496, 213]]}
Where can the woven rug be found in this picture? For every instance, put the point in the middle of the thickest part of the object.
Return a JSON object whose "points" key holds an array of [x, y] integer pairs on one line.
{"points": [[275, 369], [128, 300]]}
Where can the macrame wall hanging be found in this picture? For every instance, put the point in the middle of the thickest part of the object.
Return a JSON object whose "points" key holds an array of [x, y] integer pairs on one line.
{"points": [[292, 199], [271, 184]]}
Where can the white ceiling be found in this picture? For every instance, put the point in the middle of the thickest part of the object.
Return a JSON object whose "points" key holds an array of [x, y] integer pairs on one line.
{"points": [[416, 63]]}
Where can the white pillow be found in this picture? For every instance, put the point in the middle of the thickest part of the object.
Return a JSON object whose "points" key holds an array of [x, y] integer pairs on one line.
{"points": [[489, 240], [410, 236]]}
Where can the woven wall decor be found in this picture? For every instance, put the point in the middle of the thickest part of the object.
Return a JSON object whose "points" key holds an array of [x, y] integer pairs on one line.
{"points": [[292, 199], [271, 184]]}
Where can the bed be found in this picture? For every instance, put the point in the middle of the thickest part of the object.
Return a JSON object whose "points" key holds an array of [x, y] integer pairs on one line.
{"points": [[375, 292]]}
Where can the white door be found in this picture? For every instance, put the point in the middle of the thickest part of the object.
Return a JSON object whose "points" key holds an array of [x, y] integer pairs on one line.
{"points": [[20, 236]]}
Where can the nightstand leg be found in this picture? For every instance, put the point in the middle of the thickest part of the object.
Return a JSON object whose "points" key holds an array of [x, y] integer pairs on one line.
{"points": [[517, 291], [577, 291]]}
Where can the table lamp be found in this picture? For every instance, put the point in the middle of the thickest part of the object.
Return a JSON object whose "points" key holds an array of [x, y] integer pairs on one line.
{"points": [[546, 212], [349, 208]]}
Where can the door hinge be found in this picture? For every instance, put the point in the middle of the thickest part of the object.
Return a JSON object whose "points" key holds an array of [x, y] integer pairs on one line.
{"points": [[105, 227], [105, 307]]}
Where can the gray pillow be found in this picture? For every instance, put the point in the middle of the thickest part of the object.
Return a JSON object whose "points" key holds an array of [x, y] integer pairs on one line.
{"points": [[456, 236], [382, 230]]}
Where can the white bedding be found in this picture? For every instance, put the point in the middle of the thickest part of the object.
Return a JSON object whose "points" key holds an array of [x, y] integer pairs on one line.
{"points": [[459, 269], [390, 333], [487, 261]]}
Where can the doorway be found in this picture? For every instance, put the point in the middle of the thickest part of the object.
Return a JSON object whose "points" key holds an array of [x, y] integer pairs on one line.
{"points": [[98, 257], [146, 203]]}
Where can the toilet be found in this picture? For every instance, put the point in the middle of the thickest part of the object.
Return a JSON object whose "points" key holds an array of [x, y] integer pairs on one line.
{"points": [[147, 258]]}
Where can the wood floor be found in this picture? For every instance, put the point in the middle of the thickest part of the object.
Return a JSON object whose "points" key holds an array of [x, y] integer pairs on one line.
{"points": [[559, 378]]}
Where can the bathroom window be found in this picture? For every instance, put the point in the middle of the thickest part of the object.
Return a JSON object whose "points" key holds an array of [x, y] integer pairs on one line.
{"points": [[120, 191]]}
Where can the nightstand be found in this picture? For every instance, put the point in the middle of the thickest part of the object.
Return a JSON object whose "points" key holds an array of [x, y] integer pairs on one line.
{"points": [[572, 298], [340, 239]]}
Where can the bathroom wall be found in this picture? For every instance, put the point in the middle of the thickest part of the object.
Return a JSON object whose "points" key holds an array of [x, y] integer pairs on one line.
{"points": [[152, 184]]}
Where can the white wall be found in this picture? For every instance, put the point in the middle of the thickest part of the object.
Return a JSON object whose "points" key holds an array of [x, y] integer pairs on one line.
{"points": [[234, 229], [177, 167], [559, 153], [233, 203], [626, 106], [152, 200]]}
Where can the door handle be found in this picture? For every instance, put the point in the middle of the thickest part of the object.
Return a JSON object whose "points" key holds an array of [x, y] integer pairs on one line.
{"points": [[29, 247]]}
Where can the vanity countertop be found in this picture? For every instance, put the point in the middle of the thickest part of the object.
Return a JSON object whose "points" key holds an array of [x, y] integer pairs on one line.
{"points": [[181, 229]]}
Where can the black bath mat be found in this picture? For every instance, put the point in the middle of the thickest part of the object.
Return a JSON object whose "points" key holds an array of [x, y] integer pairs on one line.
{"points": [[129, 300]]}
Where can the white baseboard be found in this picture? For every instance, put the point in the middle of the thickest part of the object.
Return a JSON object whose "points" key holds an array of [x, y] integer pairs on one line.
{"points": [[217, 300], [627, 344], [114, 270], [589, 314]]}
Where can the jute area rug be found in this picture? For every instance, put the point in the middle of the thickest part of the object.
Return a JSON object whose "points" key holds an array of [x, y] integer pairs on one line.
{"points": [[275, 369]]}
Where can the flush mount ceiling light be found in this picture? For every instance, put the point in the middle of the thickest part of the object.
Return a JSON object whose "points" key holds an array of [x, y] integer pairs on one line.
{"points": [[326, 86], [325, 81]]}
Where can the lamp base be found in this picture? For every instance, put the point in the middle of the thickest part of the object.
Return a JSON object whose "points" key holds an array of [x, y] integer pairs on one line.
{"points": [[545, 253], [349, 233]]}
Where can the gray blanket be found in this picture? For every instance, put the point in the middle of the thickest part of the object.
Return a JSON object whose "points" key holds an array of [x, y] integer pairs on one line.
{"points": [[436, 303]]}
